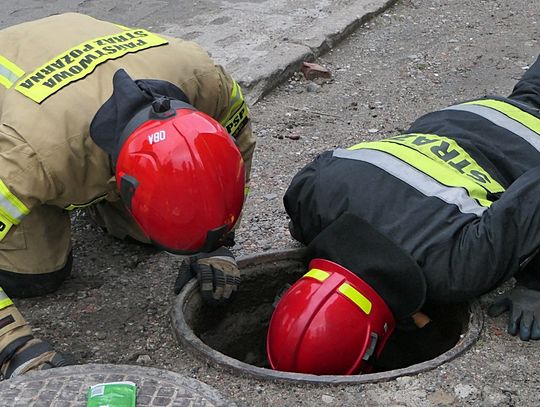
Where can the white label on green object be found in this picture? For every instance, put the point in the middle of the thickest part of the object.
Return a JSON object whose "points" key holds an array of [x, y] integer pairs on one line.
{"points": [[97, 390]]}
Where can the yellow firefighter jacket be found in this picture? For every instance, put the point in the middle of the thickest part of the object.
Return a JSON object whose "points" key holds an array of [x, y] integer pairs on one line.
{"points": [[55, 73]]}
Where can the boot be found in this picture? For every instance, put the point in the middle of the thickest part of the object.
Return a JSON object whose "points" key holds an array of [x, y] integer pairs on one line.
{"points": [[20, 352]]}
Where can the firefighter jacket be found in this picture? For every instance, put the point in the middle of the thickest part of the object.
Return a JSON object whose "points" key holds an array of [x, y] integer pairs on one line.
{"points": [[442, 213], [56, 73]]}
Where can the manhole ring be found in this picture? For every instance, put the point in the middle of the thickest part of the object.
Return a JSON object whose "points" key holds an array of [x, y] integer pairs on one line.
{"points": [[187, 337]]}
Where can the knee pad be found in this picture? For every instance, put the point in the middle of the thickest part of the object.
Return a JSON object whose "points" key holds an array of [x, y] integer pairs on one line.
{"points": [[18, 285]]}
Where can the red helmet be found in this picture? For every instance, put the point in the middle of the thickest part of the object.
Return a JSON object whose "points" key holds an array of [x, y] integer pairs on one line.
{"points": [[181, 176], [329, 322]]}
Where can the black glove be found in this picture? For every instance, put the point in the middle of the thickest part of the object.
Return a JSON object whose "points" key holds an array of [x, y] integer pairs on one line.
{"points": [[28, 355], [216, 271], [524, 306]]}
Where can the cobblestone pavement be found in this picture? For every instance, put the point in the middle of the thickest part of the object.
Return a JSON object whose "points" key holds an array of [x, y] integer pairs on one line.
{"points": [[67, 387]]}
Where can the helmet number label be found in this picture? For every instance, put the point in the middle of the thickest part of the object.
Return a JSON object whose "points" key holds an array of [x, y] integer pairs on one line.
{"points": [[157, 137]]}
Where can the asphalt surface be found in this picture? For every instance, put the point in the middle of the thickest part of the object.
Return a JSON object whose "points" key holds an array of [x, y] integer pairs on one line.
{"points": [[260, 42]]}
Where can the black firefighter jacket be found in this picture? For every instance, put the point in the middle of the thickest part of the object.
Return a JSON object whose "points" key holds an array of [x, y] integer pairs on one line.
{"points": [[440, 214]]}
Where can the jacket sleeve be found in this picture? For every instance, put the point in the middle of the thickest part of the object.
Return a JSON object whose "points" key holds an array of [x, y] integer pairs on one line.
{"points": [[235, 117], [529, 274], [24, 183], [494, 248], [302, 200], [527, 90]]}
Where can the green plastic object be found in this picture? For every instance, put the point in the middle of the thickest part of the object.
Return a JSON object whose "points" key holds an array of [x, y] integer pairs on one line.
{"points": [[114, 394]]}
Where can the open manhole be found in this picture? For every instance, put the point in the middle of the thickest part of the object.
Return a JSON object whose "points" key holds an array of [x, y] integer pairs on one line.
{"points": [[234, 337]]}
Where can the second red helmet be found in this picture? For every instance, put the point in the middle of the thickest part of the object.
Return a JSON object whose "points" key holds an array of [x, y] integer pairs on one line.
{"points": [[330, 322]]}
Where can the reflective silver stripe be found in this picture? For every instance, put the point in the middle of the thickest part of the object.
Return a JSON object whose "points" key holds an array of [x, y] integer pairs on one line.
{"points": [[9, 72], [10, 206], [11, 210], [6, 73], [501, 120], [415, 178]]}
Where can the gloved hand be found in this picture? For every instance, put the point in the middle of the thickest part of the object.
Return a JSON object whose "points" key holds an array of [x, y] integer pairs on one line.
{"points": [[217, 273], [32, 355], [524, 306]]}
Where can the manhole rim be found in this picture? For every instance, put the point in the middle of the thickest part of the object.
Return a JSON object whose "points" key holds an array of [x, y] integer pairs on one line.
{"points": [[193, 343]]}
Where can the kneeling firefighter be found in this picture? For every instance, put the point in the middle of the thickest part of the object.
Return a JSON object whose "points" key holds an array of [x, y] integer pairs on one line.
{"points": [[143, 131], [439, 215]]}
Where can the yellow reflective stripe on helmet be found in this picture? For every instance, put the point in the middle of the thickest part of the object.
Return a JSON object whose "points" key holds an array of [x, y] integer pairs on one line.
{"points": [[355, 296], [435, 169], [10, 207], [317, 274], [9, 72], [238, 113], [81, 60], [5, 301], [511, 111], [449, 152]]}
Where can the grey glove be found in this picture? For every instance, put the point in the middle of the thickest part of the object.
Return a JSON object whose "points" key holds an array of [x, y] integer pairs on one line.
{"points": [[524, 306], [217, 273], [30, 354]]}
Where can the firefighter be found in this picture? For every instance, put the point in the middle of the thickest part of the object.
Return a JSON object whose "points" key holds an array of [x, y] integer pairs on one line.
{"points": [[441, 214], [142, 130]]}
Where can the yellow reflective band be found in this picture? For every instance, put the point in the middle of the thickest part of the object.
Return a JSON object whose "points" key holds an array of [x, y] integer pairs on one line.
{"points": [[9, 72], [5, 301], [238, 114], [317, 274], [355, 296], [237, 121], [72, 207], [435, 169], [526, 119], [82, 60], [236, 98], [448, 151], [246, 191], [5, 226], [11, 209]]}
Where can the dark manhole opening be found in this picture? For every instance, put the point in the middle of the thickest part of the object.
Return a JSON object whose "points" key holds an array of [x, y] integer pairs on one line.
{"points": [[235, 336]]}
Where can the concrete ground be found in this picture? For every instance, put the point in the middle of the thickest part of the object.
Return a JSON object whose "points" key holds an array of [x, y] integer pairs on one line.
{"points": [[260, 41]]}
